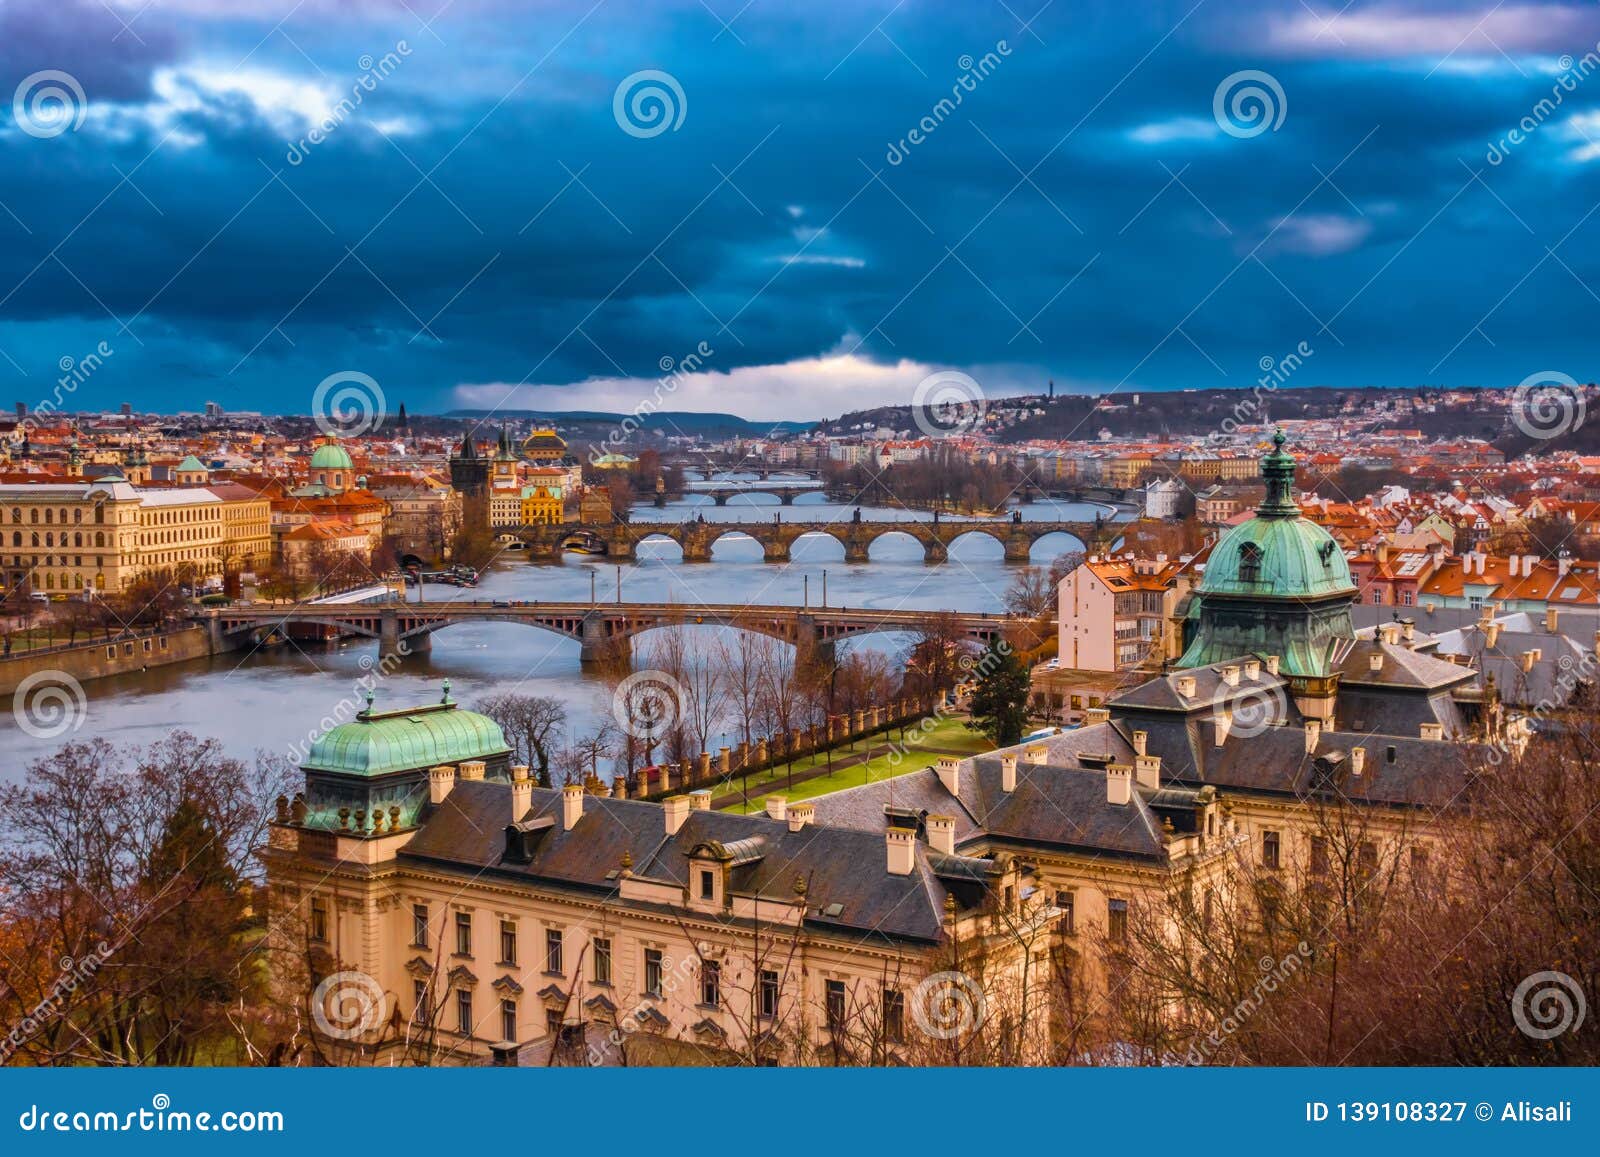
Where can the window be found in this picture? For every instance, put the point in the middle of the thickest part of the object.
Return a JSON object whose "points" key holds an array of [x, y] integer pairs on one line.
{"points": [[767, 995], [710, 983], [1117, 920], [463, 933], [602, 961], [508, 1020], [708, 885], [1271, 853], [419, 1002], [652, 971], [1067, 903], [508, 942], [1419, 864], [894, 1014], [833, 1004], [1319, 855], [552, 951], [464, 1012], [319, 921], [419, 925], [1250, 563], [1367, 859]]}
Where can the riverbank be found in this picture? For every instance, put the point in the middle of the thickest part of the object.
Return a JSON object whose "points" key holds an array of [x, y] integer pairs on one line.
{"points": [[100, 658]]}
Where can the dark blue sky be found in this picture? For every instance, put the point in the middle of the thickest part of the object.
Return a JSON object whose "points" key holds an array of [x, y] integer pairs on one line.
{"points": [[483, 226]]}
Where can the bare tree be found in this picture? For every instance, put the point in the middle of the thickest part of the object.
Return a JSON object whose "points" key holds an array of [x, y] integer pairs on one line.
{"points": [[532, 724]]}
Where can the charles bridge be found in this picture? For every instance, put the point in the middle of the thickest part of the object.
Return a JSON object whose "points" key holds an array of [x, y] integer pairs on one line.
{"points": [[696, 538]]}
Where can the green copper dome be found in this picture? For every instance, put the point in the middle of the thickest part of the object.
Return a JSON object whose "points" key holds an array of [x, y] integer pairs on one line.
{"points": [[1275, 585], [379, 743], [191, 465], [331, 456]]}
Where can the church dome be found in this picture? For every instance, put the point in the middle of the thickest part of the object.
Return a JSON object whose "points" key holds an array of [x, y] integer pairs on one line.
{"points": [[1277, 554], [331, 456]]}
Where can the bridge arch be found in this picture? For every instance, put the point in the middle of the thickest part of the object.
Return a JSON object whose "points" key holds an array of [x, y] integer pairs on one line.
{"points": [[817, 546], [1056, 542], [979, 541], [895, 546], [658, 544]]}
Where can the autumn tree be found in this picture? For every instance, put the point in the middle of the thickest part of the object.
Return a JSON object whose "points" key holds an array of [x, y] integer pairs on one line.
{"points": [[532, 725]]}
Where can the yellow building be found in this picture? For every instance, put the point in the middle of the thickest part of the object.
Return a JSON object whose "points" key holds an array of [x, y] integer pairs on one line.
{"points": [[544, 499], [544, 448]]}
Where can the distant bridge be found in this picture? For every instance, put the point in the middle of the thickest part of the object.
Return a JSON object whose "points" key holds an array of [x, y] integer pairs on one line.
{"points": [[720, 494], [604, 630], [777, 537]]}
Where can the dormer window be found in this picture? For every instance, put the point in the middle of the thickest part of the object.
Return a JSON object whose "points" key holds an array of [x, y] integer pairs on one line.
{"points": [[1250, 563], [708, 884]]}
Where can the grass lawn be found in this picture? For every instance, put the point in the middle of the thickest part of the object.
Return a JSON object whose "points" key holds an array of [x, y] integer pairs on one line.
{"points": [[890, 757]]}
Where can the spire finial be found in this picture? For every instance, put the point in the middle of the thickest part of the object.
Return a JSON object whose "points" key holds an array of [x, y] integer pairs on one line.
{"points": [[446, 697]]}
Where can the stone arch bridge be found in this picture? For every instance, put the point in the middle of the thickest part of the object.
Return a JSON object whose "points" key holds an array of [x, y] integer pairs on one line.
{"points": [[604, 630], [696, 539]]}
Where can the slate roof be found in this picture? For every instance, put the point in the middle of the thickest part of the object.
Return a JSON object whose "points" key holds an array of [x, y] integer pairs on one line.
{"points": [[841, 866]]}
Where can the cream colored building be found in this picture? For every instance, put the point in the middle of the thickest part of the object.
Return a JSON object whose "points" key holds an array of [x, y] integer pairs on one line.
{"points": [[71, 536]]}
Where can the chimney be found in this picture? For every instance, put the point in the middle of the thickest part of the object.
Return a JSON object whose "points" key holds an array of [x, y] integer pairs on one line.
{"points": [[1272, 664], [1313, 735], [1119, 784], [700, 801], [942, 834], [1008, 773], [521, 792], [1491, 635], [1141, 740], [472, 769], [1223, 722], [1230, 675], [1408, 630], [441, 779], [1389, 633], [1511, 565], [1529, 658], [800, 815], [902, 848], [675, 809], [1433, 731], [1185, 686], [1096, 715], [1529, 561], [777, 807], [1552, 619], [1358, 760], [1563, 564], [1375, 661], [1252, 669], [1147, 770], [571, 806], [949, 769], [1036, 753]]}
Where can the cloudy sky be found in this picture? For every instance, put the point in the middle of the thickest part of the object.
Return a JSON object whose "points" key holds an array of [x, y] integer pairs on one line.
{"points": [[482, 203]]}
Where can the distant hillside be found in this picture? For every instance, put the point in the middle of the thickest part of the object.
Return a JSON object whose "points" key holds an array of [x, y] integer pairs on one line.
{"points": [[665, 422]]}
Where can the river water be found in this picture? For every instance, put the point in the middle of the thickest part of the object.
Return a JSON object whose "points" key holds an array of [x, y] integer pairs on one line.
{"points": [[274, 699]]}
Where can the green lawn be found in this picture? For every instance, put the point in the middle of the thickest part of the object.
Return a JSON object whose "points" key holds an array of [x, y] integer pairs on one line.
{"points": [[890, 757]]}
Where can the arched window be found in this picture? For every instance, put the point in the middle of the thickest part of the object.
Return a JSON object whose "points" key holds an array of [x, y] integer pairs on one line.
{"points": [[77, 538], [77, 516], [1250, 563], [16, 514], [16, 538], [99, 538]]}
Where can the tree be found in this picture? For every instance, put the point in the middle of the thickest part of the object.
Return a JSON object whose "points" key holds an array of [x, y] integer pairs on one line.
{"points": [[532, 724], [1031, 594], [999, 704]]}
